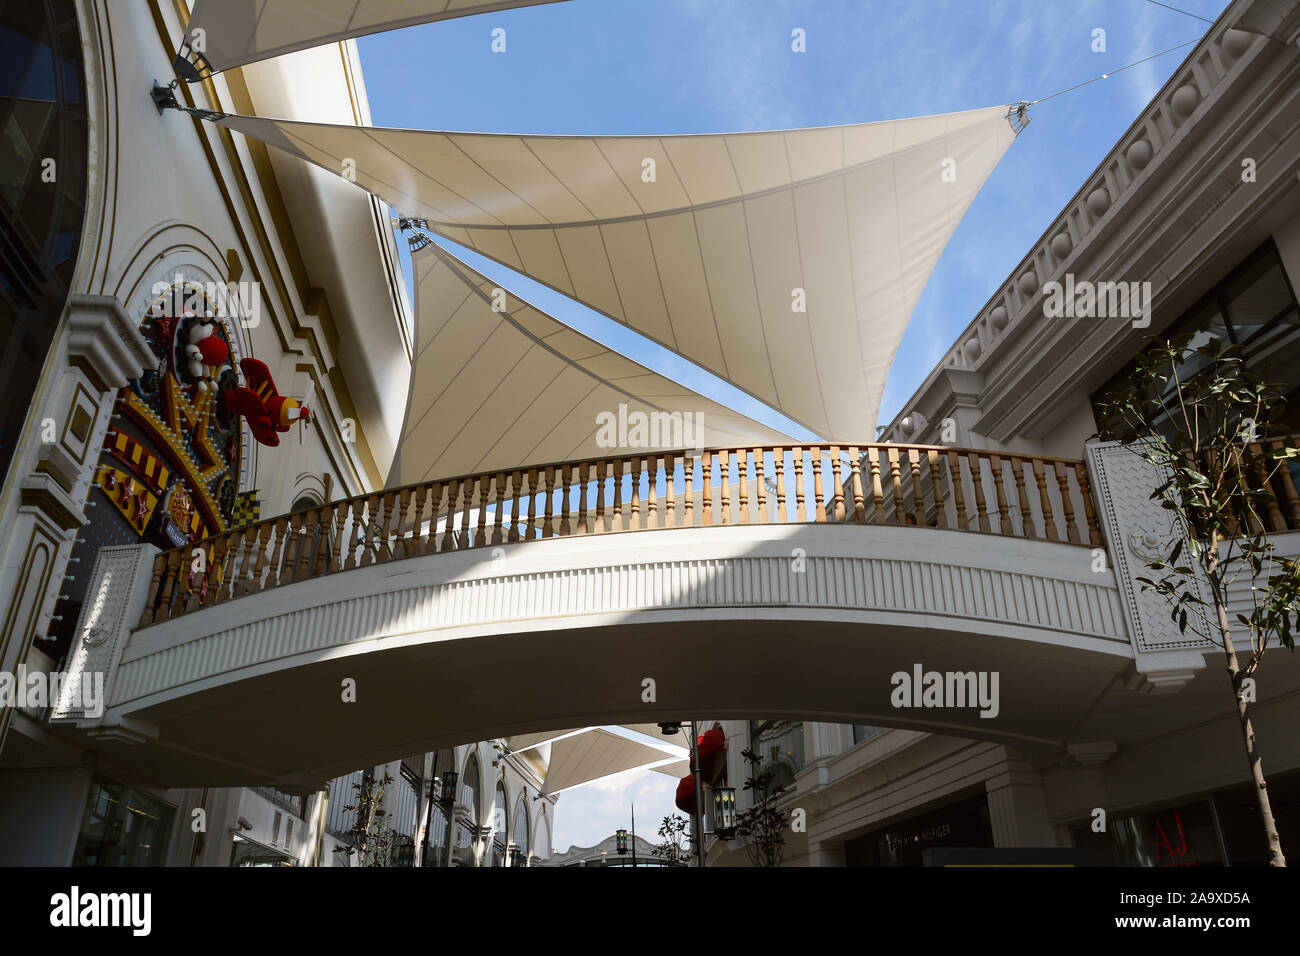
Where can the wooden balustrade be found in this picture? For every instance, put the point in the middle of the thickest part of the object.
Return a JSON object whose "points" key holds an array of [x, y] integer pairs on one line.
{"points": [[927, 486]]}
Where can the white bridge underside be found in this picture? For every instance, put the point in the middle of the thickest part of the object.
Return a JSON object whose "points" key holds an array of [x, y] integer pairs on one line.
{"points": [[546, 635]]}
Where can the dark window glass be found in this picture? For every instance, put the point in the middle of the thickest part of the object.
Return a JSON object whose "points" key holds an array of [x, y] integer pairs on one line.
{"points": [[122, 827], [42, 132]]}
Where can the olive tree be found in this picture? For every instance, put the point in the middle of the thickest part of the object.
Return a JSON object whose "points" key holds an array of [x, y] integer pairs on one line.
{"points": [[1210, 426]]}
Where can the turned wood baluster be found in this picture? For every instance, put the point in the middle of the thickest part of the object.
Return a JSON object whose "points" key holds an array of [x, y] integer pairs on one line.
{"points": [[583, 523], [230, 565], [896, 481], [496, 496], [616, 519], [742, 462], [801, 516], [837, 471], [602, 475], [859, 497], [724, 478], [559, 501], [1089, 510], [688, 479], [760, 487], [1004, 517], [877, 490], [1259, 458], [277, 558], [546, 479], [358, 525], [516, 504], [155, 582], [428, 540], [170, 586], [670, 478], [212, 574], [413, 543], [918, 494], [819, 493], [291, 549], [1067, 506], [782, 506], [324, 549], [532, 503], [634, 523], [243, 577], [480, 504], [707, 491], [307, 539], [467, 494], [652, 501], [400, 534], [446, 540], [936, 487], [1288, 486], [1022, 495], [975, 462], [958, 493], [566, 492], [385, 512], [1049, 521]]}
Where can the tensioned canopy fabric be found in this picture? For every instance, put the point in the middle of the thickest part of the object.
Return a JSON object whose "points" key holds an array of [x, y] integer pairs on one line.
{"points": [[494, 390], [577, 757], [596, 753], [236, 32], [787, 263]]}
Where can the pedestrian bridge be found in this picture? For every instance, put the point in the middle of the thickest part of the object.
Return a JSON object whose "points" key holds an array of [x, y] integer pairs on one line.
{"points": [[781, 582]]}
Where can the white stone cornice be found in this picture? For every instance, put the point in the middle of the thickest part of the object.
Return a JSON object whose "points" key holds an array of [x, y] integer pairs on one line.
{"points": [[105, 342]]}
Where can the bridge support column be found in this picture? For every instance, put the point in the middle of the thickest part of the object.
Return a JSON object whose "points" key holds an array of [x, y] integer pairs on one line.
{"points": [[1018, 808]]}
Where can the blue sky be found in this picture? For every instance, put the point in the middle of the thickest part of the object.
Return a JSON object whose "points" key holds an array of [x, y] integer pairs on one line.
{"points": [[701, 66]]}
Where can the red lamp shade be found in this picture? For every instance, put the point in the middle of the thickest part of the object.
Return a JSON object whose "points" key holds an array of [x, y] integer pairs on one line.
{"points": [[712, 746], [685, 799], [214, 351]]}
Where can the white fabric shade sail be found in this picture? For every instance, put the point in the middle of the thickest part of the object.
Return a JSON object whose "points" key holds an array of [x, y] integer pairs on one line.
{"points": [[578, 757], [786, 263], [235, 32], [496, 390]]}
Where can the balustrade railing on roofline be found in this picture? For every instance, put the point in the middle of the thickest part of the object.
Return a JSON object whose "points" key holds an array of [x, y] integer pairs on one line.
{"points": [[928, 486]]}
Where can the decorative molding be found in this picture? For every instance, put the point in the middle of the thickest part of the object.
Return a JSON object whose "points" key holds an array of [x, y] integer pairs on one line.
{"points": [[346, 607], [115, 598], [1093, 754], [1124, 483], [105, 343]]}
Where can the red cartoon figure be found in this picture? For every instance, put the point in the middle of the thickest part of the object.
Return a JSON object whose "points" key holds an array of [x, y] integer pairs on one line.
{"points": [[266, 410]]}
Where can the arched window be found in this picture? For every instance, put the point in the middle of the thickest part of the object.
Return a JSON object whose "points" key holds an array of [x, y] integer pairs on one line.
{"points": [[520, 838], [499, 824], [541, 836], [469, 798]]}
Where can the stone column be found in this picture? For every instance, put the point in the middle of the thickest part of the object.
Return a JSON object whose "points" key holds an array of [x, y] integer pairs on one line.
{"points": [[1018, 807]]}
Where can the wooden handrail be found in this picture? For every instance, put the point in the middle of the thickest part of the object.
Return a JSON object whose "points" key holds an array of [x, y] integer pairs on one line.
{"points": [[979, 490]]}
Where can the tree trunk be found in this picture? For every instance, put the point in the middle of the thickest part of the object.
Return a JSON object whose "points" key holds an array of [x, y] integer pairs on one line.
{"points": [[1275, 857]]}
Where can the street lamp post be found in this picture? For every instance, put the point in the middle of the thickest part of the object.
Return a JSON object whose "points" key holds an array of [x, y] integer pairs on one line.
{"points": [[699, 797], [448, 800]]}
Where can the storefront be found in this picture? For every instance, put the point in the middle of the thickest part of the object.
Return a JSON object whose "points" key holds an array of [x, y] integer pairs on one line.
{"points": [[1217, 829], [962, 823]]}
